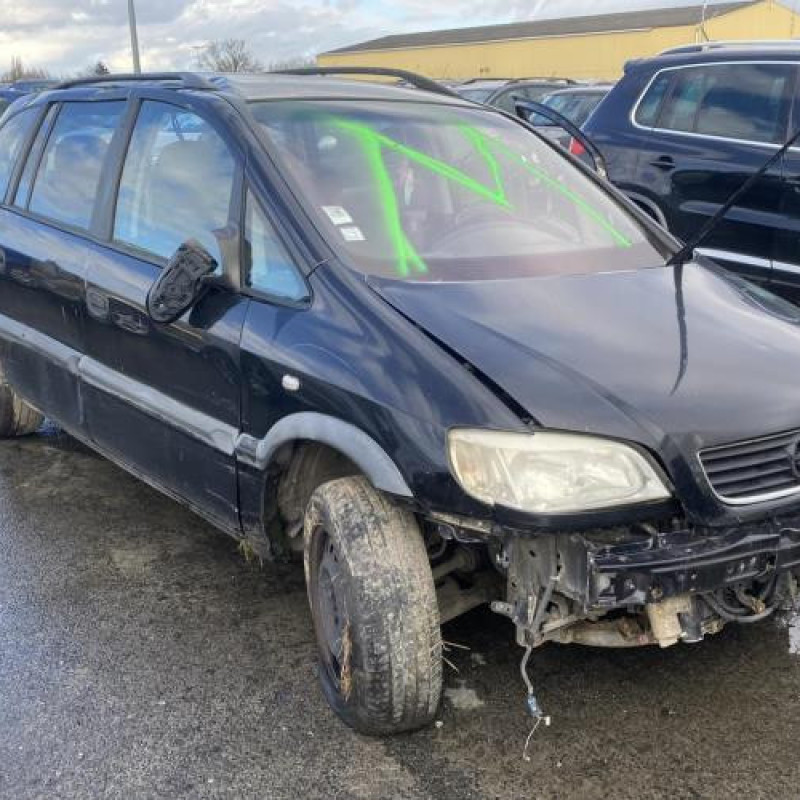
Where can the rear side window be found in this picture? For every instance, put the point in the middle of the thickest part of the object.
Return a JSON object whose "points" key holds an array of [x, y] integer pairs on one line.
{"points": [[177, 182], [12, 137], [735, 101], [66, 182]]}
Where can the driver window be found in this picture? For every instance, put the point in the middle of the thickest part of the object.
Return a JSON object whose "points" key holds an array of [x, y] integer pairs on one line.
{"points": [[268, 266], [176, 184]]}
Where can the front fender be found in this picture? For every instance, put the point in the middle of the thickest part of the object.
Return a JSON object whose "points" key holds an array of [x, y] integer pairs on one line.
{"points": [[349, 440]]}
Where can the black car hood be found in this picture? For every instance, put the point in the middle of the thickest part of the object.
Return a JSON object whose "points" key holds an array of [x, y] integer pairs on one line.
{"points": [[681, 357]]}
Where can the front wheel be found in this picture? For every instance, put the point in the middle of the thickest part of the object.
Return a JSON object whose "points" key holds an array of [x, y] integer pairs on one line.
{"points": [[374, 609], [17, 418]]}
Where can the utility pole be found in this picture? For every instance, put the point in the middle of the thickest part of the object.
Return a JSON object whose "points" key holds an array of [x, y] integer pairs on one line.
{"points": [[702, 36], [137, 67]]}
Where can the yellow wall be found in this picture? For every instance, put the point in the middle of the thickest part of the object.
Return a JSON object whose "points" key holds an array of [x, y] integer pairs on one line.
{"points": [[600, 56]]}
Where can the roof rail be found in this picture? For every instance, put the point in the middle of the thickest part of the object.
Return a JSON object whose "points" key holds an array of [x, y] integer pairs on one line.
{"points": [[187, 80], [545, 79], [418, 81], [701, 47], [550, 79]]}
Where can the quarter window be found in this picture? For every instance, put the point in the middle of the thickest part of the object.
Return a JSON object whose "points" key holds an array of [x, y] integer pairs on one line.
{"points": [[69, 172], [735, 101], [269, 267], [176, 184], [650, 104], [12, 137]]}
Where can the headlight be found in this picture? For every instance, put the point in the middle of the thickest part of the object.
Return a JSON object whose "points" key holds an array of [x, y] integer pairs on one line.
{"points": [[551, 472]]}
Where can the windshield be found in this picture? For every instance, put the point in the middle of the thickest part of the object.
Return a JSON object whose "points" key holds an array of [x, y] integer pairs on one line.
{"points": [[421, 191]]}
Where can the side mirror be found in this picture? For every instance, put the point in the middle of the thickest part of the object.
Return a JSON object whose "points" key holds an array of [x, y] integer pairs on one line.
{"points": [[182, 282]]}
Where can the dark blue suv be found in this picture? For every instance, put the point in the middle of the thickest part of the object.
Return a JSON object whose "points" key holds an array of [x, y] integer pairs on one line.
{"points": [[407, 338], [681, 132]]}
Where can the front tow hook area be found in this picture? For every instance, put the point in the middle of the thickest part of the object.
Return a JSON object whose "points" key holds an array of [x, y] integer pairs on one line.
{"points": [[675, 619]]}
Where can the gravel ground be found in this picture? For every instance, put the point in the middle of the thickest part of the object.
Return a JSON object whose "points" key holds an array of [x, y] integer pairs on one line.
{"points": [[142, 657]]}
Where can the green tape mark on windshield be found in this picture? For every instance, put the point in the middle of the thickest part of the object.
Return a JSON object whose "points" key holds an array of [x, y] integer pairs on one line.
{"points": [[479, 143], [430, 163], [408, 259], [407, 256], [574, 197], [373, 143]]}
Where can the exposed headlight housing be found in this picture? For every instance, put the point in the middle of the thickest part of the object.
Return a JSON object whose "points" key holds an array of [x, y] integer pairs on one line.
{"points": [[551, 473]]}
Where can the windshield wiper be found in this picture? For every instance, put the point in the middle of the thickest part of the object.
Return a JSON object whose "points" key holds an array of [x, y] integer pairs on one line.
{"points": [[686, 252]]}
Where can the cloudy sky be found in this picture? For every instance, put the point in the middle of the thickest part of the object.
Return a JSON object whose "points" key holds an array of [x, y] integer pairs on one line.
{"points": [[64, 36]]}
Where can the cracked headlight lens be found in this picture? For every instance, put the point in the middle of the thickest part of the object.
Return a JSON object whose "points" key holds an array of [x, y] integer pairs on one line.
{"points": [[549, 472]]}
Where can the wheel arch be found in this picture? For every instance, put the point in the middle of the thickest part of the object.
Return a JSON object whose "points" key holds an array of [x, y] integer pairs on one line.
{"points": [[352, 442]]}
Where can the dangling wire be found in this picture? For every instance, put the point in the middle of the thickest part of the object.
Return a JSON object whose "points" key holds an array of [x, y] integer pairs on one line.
{"points": [[534, 710]]}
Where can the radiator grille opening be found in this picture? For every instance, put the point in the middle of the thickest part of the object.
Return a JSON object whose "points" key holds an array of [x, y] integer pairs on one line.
{"points": [[754, 470]]}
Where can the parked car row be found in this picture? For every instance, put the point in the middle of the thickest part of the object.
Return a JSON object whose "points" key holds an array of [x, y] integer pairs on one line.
{"points": [[401, 335], [572, 99]]}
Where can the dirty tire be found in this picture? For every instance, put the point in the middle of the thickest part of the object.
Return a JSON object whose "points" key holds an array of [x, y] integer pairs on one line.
{"points": [[17, 418], [374, 608]]}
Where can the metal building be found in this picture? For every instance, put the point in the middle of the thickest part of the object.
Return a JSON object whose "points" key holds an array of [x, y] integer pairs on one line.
{"points": [[576, 47]]}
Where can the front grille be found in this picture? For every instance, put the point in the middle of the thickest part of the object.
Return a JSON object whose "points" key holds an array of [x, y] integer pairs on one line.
{"points": [[746, 472]]}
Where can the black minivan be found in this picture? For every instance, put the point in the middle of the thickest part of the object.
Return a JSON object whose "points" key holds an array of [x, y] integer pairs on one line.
{"points": [[406, 337], [682, 131]]}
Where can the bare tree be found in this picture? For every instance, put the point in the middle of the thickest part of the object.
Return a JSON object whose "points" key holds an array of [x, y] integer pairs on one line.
{"points": [[19, 72], [94, 70], [228, 55]]}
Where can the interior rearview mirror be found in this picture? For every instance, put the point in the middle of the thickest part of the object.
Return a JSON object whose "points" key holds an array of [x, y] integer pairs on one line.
{"points": [[182, 282]]}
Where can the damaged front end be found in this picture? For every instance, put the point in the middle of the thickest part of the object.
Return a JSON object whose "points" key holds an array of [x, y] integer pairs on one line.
{"points": [[646, 583]]}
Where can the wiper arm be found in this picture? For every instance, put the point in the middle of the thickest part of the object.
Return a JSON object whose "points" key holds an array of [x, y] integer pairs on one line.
{"points": [[685, 253]]}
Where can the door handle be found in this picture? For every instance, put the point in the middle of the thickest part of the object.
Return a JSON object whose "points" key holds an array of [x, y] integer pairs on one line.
{"points": [[663, 162]]}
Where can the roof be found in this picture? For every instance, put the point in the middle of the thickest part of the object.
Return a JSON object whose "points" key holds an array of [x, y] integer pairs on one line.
{"points": [[258, 86], [729, 52], [570, 26], [273, 86], [588, 88]]}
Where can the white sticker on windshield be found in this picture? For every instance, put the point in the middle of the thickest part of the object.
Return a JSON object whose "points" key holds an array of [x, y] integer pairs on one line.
{"points": [[352, 234], [337, 215]]}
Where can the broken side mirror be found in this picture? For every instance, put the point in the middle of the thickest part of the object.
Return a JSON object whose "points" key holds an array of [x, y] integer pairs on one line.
{"points": [[182, 283]]}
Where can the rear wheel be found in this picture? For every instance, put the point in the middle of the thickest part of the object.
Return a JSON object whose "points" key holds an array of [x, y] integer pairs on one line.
{"points": [[374, 609], [17, 418]]}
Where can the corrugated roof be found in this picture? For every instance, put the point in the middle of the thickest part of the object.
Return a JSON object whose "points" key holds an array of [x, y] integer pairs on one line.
{"points": [[603, 23]]}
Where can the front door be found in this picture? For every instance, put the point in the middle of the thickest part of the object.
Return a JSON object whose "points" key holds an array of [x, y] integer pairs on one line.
{"points": [[165, 399]]}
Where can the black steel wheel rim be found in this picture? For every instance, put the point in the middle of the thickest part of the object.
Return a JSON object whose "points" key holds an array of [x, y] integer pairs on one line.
{"points": [[332, 621]]}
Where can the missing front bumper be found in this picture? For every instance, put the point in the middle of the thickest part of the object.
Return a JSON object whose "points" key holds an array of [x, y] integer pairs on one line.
{"points": [[638, 585]]}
